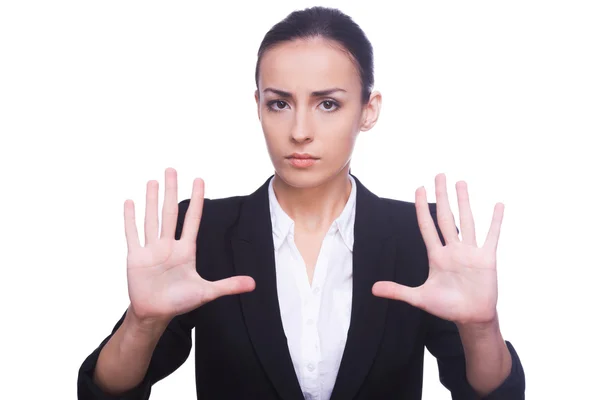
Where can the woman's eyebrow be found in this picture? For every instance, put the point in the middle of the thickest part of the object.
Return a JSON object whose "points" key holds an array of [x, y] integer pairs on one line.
{"points": [[318, 93]]}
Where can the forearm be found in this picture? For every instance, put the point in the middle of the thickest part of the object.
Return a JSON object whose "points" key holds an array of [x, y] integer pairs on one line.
{"points": [[488, 360], [124, 360]]}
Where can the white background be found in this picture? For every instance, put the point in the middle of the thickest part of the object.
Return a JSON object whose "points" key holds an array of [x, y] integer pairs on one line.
{"points": [[96, 98]]}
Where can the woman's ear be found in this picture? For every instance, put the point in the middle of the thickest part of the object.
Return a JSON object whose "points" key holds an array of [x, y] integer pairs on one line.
{"points": [[371, 111], [257, 99]]}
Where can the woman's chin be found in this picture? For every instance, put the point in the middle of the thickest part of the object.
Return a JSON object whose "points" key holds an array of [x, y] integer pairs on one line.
{"points": [[304, 179]]}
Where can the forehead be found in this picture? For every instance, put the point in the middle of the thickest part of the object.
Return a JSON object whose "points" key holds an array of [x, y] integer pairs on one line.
{"points": [[308, 64]]}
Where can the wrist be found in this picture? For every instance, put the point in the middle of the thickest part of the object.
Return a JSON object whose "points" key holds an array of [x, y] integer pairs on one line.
{"points": [[143, 330], [482, 336], [480, 329]]}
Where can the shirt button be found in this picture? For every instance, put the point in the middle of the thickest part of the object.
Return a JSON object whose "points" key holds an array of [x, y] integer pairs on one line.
{"points": [[310, 367], [316, 290], [310, 322]]}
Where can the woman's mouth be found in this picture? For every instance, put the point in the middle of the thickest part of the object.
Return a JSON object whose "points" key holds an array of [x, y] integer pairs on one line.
{"points": [[302, 160]]}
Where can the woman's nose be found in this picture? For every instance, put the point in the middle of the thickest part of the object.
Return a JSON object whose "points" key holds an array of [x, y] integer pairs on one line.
{"points": [[302, 131]]}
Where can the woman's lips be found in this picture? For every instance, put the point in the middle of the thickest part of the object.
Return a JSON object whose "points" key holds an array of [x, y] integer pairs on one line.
{"points": [[302, 162]]}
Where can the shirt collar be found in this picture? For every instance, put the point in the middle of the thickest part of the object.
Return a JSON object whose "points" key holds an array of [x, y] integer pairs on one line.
{"points": [[283, 225]]}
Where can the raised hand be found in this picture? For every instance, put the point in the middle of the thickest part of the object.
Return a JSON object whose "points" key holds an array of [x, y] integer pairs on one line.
{"points": [[161, 275], [462, 284]]}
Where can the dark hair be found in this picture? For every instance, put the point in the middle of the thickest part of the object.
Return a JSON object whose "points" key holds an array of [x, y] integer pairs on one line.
{"points": [[327, 23]]}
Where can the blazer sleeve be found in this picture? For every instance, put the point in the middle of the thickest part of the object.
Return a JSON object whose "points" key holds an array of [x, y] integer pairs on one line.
{"points": [[171, 351], [443, 342]]}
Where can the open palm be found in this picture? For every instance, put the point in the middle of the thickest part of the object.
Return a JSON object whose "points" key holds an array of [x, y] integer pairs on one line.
{"points": [[161, 276], [462, 283]]}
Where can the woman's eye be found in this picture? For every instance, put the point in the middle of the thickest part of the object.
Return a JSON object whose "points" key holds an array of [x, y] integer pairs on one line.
{"points": [[277, 105], [329, 105], [280, 105]]}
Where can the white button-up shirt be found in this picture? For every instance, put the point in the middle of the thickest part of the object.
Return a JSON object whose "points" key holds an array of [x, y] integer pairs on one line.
{"points": [[315, 318]]}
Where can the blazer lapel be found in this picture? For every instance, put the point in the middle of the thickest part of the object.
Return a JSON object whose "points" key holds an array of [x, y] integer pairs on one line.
{"points": [[254, 255], [373, 260]]}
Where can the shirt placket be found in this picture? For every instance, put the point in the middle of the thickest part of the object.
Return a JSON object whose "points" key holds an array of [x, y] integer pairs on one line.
{"points": [[311, 304], [314, 296]]}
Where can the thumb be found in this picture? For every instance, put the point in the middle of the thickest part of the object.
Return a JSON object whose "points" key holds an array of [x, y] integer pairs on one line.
{"points": [[229, 286], [395, 291]]}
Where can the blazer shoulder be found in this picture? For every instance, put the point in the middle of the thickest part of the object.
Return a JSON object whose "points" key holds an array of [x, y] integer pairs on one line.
{"points": [[403, 215], [402, 212], [216, 213]]}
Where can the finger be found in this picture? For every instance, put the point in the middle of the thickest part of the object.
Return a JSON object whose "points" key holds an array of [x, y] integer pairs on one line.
{"points": [[229, 286], [491, 242], [467, 224], [193, 215], [170, 208], [131, 233], [444, 213], [151, 217], [395, 291], [426, 224]]}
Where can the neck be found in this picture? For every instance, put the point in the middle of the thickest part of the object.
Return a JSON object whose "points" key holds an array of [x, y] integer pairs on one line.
{"points": [[314, 209]]}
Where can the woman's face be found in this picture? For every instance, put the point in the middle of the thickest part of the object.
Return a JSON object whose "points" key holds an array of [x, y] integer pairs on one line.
{"points": [[309, 105]]}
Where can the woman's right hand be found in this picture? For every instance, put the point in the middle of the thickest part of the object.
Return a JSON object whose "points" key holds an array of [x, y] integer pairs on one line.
{"points": [[161, 275]]}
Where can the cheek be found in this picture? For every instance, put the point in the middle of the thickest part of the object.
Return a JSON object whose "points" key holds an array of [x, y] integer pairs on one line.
{"points": [[275, 122], [346, 132], [343, 128], [272, 129]]}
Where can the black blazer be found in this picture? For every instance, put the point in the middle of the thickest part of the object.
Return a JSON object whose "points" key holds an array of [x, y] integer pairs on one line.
{"points": [[241, 349]]}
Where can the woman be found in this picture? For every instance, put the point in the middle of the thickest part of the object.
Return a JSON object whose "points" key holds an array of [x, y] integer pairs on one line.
{"points": [[312, 287]]}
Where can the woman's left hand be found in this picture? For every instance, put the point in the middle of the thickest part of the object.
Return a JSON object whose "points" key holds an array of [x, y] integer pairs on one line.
{"points": [[462, 284]]}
